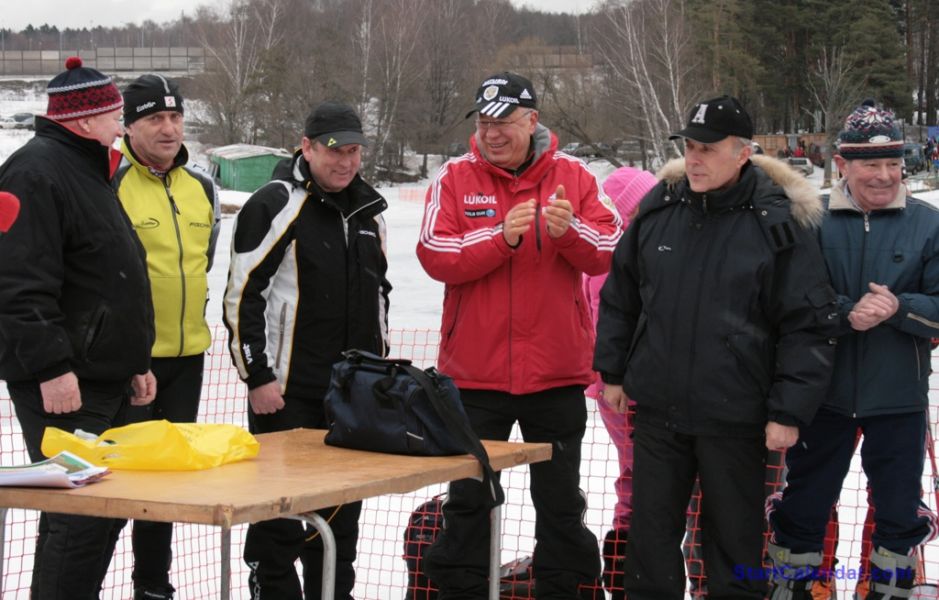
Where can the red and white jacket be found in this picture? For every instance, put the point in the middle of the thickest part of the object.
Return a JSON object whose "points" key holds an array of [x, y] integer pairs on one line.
{"points": [[515, 320]]}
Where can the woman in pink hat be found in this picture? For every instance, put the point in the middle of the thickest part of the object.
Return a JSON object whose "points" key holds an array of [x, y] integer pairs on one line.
{"points": [[626, 186]]}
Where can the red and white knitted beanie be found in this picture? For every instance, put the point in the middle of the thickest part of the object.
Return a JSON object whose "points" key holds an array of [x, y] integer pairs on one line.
{"points": [[81, 92]]}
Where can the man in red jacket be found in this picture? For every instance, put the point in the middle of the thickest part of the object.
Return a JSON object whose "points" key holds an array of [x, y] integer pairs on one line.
{"points": [[510, 228]]}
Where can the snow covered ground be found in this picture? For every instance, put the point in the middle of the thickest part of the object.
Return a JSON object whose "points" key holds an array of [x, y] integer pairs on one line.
{"points": [[416, 304]]}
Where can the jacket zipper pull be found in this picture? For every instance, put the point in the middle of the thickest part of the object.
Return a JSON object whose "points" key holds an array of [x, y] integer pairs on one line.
{"points": [[867, 223], [538, 226], [169, 195]]}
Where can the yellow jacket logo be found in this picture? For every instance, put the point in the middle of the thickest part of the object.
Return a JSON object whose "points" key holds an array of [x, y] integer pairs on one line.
{"points": [[150, 223]]}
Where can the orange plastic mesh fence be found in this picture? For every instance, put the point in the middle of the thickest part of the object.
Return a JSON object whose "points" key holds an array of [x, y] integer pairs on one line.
{"points": [[381, 569]]}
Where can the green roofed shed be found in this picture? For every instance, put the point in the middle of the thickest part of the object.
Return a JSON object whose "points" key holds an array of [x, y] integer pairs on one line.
{"points": [[244, 167]]}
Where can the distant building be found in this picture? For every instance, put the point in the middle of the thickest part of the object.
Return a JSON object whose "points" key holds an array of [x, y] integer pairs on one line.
{"points": [[178, 61]]}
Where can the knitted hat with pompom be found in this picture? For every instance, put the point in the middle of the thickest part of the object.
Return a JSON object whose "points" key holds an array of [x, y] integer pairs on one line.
{"points": [[81, 92], [870, 132]]}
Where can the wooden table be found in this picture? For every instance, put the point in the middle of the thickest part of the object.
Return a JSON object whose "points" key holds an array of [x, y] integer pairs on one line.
{"points": [[294, 474]]}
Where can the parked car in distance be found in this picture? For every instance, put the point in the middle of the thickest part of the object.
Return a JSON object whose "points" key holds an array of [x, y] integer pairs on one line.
{"points": [[913, 159], [578, 149], [456, 149], [817, 153], [801, 164], [601, 149], [587, 150], [628, 149], [24, 120], [571, 148]]}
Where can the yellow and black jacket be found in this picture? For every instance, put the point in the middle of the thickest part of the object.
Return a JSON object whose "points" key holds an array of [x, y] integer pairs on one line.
{"points": [[177, 221]]}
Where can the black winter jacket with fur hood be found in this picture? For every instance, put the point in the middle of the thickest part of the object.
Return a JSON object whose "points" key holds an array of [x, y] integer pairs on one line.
{"points": [[718, 311]]}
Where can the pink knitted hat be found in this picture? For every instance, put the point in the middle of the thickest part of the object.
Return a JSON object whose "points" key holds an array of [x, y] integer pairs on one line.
{"points": [[626, 186]]}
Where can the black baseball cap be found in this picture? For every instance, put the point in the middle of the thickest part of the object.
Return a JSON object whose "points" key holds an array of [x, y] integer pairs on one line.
{"points": [[712, 120], [334, 124], [502, 93]]}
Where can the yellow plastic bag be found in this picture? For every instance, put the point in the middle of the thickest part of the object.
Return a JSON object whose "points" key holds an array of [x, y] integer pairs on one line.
{"points": [[158, 446]]}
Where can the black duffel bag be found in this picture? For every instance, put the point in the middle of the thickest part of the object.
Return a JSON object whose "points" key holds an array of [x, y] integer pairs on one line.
{"points": [[388, 405]]}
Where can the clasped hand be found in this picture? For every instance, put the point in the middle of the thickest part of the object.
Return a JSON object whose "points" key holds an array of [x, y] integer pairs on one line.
{"points": [[558, 216], [873, 308]]}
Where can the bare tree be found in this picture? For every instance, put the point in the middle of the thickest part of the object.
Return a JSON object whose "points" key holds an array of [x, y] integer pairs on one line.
{"points": [[570, 103], [930, 60], [396, 31], [445, 79], [834, 86], [238, 45], [647, 51], [361, 41]]}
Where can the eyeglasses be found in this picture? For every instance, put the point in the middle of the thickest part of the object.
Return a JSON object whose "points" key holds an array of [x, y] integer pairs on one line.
{"points": [[483, 126]]}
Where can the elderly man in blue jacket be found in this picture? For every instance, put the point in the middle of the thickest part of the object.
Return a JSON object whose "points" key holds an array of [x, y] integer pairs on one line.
{"points": [[882, 251]]}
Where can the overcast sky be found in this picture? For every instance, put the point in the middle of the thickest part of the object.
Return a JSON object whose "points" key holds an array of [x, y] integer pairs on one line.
{"points": [[91, 13]]}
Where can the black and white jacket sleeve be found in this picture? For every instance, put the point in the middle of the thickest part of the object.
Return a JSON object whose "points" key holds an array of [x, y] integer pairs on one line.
{"points": [[262, 268]]}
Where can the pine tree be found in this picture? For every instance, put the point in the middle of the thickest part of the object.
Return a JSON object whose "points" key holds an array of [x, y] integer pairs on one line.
{"points": [[870, 31]]}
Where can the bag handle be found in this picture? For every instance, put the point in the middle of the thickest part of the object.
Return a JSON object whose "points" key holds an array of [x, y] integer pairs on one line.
{"points": [[389, 366], [361, 356], [460, 429]]}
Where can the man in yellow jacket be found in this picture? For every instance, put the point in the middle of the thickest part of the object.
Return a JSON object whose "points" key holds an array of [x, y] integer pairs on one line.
{"points": [[175, 212]]}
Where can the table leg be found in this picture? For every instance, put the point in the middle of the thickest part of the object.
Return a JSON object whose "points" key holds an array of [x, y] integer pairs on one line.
{"points": [[329, 550], [225, 584], [3, 545], [495, 551]]}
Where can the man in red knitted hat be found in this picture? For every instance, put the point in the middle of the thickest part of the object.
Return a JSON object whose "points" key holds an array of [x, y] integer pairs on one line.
{"points": [[76, 318]]}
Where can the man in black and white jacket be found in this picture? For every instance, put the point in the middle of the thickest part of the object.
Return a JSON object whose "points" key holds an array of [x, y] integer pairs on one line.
{"points": [[306, 281]]}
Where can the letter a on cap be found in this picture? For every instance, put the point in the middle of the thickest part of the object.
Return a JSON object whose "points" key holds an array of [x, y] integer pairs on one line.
{"points": [[699, 116]]}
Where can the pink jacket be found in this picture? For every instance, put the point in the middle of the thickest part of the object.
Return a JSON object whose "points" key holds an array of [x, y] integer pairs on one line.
{"points": [[625, 186]]}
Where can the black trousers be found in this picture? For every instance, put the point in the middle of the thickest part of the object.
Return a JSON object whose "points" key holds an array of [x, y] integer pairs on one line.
{"points": [[179, 387], [731, 472], [892, 455], [273, 547], [566, 552], [73, 552]]}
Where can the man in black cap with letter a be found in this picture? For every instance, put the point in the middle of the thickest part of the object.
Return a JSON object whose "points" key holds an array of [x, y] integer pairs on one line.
{"points": [[175, 211], [306, 281], [714, 321]]}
